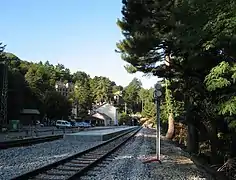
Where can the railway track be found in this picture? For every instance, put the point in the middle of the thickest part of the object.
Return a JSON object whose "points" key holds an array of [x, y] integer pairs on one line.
{"points": [[77, 165], [37, 140], [28, 141]]}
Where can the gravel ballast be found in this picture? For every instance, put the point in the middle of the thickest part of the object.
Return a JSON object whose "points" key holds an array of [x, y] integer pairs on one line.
{"points": [[16, 161], [127, 163]]}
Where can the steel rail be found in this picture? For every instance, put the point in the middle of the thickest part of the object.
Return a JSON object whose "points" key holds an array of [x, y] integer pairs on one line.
{"points": [[78, 164], [28, 141]]}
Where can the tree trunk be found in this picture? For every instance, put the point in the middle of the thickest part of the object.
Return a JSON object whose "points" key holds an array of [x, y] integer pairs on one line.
{"points": [[213, 141], [142, 105], [233, 146], [193, 141], [192, 137], [171, 126]]}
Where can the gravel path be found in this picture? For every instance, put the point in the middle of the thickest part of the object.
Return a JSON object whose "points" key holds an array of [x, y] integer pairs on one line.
{"points": [[127, 164], [16, 161]]}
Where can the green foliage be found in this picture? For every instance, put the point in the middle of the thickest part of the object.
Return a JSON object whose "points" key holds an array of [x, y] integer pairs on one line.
{"points": [[117, 89], [56, 106], [2, 53], [221, 80], [131, 94], [124, 118], [216, 78], [82, 93], [169, 104], [16, 93], [143, 94], [232, 124], [148, 105], [130, 69], [168, 98], [102, 89], [38, 78], [149, 110], [163, 115], [32, 85], [227, 107], [199, 39], [36, 88]]}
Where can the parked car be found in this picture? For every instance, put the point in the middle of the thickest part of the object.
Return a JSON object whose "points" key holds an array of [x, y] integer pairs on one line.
{"points": [[82, 124], [86, 125], [38, 123], [73, 122], [63, 124]]}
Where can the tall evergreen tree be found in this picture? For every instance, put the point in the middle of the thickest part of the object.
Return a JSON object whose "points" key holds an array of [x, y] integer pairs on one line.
{"points": [[192, 33]]}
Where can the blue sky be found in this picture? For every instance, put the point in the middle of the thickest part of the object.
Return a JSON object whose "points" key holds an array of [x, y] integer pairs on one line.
{"points": [[80, 34]]}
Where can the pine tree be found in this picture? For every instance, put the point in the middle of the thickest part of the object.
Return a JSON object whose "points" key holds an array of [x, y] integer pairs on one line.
{"points": [[197, 35]]}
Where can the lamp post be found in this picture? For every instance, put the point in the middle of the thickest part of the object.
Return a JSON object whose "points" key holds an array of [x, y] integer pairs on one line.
{"points": [[157, 94]]}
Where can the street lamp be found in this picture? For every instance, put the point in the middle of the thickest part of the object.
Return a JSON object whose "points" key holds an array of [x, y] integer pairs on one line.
{"points": [[157, 94]]}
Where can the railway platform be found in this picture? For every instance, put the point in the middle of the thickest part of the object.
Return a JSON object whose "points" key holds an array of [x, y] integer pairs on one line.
{"points": [[97, 135]]}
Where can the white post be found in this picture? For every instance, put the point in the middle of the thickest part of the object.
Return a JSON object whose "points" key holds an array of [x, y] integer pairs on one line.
{"points": [[158, 131], [157, 95]]}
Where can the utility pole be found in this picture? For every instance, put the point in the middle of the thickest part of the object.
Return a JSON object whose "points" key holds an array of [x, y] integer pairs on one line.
{"points": [[4, 93]]}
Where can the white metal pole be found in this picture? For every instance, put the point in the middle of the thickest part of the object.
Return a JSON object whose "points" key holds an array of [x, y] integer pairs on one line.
{"points": [[159, 129], [158, 140], [157, 126]]}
